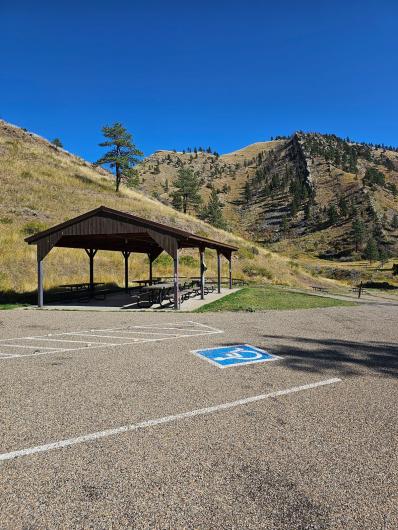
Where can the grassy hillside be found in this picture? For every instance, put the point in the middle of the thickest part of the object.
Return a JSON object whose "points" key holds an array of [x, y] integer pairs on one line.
{"points": [[43, 185], [283, 190]]}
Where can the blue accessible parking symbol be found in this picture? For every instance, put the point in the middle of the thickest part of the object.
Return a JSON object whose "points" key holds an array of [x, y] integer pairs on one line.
{"points": [[235, 355]]}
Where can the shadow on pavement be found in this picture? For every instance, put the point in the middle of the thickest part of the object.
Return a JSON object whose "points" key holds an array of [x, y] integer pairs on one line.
{"points": [[342, 357]]}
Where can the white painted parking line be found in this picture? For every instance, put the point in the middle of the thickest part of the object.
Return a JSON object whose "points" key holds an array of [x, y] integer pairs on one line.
{"points": [[158, 421], [119, 336]]}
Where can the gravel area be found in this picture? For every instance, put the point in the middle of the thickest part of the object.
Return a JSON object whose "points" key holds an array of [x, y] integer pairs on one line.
{"points": [[323, 458]]}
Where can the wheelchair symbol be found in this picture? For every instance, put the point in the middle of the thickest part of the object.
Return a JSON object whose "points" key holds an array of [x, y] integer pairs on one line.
{"points": [[240, 353]]}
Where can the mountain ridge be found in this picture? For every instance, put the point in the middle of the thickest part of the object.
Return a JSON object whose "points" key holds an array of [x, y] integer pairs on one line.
{"points": [[283, 189]]}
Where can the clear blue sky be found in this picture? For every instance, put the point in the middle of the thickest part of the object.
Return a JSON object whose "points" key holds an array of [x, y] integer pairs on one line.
{"points": [[181, 74]]}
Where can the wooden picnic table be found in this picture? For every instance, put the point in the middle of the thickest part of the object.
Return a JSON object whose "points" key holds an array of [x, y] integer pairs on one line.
{"points": [[158, 286], [321, 289], [147, 282], [80, 286]]}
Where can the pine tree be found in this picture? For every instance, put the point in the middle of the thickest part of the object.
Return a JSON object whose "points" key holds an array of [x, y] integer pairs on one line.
{"points": [[285, 224], [248, 192], [394, 222], [212, 213], [358, 232], [333, 215], [384, 255], [123, 154], [371, 251], [343, 206], [57, 142], [187, 186]]}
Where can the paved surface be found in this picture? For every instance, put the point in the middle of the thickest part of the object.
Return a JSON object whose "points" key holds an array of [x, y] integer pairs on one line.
{"points": [[322, 457], [121, 301]]}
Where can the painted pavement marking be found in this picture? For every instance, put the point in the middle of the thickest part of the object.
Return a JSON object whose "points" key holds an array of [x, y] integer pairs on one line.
{"points": [[159, 421], [125, 335], [235, 355]]}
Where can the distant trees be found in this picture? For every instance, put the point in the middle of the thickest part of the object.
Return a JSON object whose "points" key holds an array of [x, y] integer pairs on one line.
{"points": [[374, 176], [186, 194], [122, 156], [212, 213], [57, 142]]}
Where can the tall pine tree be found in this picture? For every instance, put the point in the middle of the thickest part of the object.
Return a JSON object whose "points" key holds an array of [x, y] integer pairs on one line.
{"points": [[123, 154], [186, 194], [212, 213]]}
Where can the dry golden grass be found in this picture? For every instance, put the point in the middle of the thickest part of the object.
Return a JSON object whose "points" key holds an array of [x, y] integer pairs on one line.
{"points": [[43, 186]]}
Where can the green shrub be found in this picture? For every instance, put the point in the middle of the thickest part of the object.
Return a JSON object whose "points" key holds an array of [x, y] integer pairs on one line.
{"points": [[251, 271], [33, 227], [164, 260], [189, 261]]}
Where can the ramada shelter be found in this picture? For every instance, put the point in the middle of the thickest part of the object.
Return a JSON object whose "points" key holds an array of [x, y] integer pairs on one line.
{"points": [[107, 229]]}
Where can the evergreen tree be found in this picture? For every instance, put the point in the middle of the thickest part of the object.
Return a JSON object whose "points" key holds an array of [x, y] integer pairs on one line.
{"points": [[131, 177], [248, 192], [343, 206], [57, 142], [285, 224], [374, 176], [384, 255], [123, 154], [212, 213], [333, 215], [187, 192], [394, 222], [371, 251], [358, 232]]}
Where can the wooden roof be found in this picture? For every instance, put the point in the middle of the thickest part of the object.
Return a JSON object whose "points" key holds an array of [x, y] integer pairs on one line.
{"points": [[108, 229]]}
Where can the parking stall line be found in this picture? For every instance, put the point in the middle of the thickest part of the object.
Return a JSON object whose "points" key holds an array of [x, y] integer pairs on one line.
{"points": [[93, 334], [159, 421]]}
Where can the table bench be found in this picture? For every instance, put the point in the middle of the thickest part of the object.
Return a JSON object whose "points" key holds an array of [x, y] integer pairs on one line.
{"points": [[320, 289]]}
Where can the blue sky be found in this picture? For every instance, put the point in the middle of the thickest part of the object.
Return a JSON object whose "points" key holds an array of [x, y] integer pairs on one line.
{"points": [[180, 74]]}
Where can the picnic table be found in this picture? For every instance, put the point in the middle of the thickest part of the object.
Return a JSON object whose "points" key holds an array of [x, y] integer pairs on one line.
{"points": [[147, 282], [83, 291], [320, 289], [80, 286], [160, 292]]}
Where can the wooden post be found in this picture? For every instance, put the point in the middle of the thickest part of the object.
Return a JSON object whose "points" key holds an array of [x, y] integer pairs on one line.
{"points": [[230, 270], [176, 283], [91, 253], [150, 269], [126, 255], [202, 273], [40, 297], [218, 271], [360, 290]]}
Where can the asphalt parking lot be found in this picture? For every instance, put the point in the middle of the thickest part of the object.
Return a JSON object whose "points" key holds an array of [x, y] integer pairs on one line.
{"points": [[108, 420]]}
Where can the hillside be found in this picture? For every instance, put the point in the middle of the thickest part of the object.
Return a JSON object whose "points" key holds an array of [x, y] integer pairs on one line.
{"points": [[43, 185], [298, 192]]}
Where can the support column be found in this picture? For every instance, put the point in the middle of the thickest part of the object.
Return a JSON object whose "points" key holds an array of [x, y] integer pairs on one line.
{"points": [[230, 270], [176, 283], [218, 271], [150, 269], [126, 255], [40, 297], [202, 273], [91, 253]]}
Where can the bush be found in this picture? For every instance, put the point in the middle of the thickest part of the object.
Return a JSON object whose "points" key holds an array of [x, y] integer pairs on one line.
{"points": [[251, 271], [164, 260], [33, 227], [189, 261]]}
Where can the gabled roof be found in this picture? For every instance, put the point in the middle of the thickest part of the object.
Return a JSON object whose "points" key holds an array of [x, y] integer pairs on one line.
{"points": [[107, 229]]}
